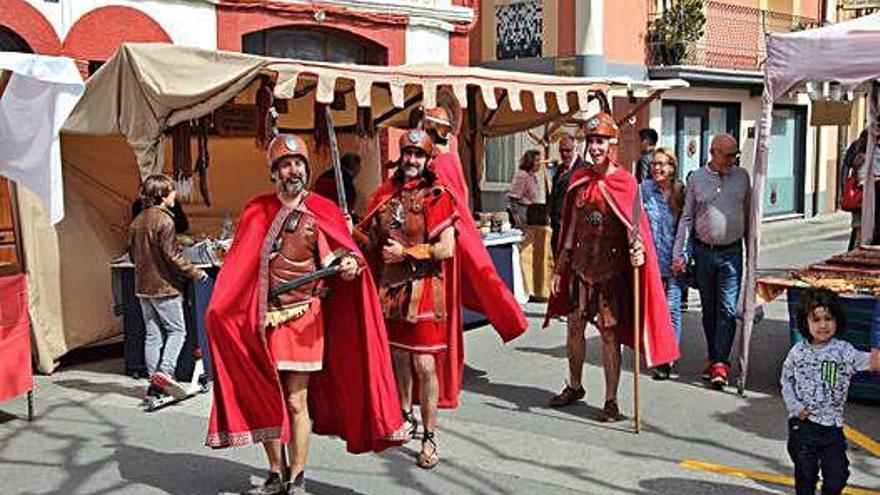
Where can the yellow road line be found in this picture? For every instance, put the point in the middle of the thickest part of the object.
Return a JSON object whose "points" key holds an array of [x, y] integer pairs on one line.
{"points": [[862, 440], [760, 476]]}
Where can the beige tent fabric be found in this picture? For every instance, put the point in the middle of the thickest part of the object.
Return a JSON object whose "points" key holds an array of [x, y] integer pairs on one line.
{"points": [[146, 88]]}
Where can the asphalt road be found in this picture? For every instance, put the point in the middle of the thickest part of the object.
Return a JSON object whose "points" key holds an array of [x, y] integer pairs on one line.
{"points": [[91, 438]]}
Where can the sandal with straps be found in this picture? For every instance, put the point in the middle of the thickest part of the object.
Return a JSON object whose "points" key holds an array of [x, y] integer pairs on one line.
{"points": [[410, 418], [428, 461]]}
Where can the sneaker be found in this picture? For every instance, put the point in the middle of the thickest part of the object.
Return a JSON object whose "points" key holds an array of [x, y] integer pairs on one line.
{"points": [[567, 396], [169, 385], [719, 375], [610, 412], [661, 372], [273, 485], [673, 371], [706, 374]]}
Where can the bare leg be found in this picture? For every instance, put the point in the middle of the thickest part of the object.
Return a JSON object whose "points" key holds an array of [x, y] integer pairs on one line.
{"points": [[610, 361], [429, 388], [296, 386], [429, 391], [577, 349], [273, 453], [402, 362]]}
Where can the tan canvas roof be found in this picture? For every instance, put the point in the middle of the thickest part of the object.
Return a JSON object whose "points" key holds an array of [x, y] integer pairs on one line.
{"points": [[146, 88]]}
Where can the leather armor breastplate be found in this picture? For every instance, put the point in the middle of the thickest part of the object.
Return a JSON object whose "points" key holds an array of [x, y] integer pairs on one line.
{"points": [[402, 218], [598, 241], [294, 254]]}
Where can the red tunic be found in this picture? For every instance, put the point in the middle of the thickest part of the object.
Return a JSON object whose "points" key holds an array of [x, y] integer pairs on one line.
{"points": [[428, 333]]}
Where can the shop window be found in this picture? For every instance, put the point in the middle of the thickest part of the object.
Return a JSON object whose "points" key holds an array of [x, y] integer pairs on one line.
{"points": [[311, 44], [502, 159], [10, 239], [519, 29]]}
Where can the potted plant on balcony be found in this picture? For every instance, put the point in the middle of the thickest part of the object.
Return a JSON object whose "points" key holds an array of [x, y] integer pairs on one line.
{"points": [[670, 34]]}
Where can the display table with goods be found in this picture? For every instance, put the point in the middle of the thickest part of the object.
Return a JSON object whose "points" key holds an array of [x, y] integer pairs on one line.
{"points": [[855, 276], [503, 244]]}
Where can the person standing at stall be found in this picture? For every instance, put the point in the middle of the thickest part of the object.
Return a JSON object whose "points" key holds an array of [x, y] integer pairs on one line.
{"points": [[525, 189], [161, 273], [593, 277], [286, 356]]}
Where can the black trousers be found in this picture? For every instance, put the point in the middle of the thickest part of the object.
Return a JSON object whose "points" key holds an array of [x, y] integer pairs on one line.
{"points": [[814, 447]]}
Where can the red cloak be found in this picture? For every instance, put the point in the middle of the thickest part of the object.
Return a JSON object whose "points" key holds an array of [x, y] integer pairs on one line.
{"points": [[470, 273], [353, 397], [658, 337], [482, 289]]}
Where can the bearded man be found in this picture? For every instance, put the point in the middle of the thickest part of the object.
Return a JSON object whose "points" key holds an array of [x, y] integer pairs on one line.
{"points": [[289, 345]]}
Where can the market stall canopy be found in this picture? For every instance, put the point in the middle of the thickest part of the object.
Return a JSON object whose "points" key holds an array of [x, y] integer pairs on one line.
{"points": [[37, 93], [847, 50], [848, 55], [147, 88]]}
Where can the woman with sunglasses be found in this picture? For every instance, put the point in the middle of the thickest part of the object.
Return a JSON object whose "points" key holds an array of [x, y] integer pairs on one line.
{"points": [[663, 198]]}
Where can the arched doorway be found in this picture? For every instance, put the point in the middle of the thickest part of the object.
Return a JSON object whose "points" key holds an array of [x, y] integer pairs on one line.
{"points": [[12, 42], [323, 45]]}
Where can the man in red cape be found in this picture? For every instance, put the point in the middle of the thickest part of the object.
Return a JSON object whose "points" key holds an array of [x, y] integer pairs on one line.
{"points": [[350, 384], [593, 280], [482, 289]]}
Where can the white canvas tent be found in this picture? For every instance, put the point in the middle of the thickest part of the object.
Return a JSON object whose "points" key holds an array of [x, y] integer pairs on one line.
{"points": [[848, 55], [115, 136]]}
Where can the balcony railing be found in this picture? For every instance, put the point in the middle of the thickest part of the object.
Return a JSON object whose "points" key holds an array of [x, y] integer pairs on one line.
{"points": [[734, 37]]}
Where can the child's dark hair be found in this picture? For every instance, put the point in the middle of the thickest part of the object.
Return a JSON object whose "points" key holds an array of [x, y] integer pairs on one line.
{"points": [[819, 298]]}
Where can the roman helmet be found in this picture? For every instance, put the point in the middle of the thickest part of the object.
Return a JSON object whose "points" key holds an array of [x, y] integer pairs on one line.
{"points": [[438, 120], [419, 139], [603, 125], [287, 145]]}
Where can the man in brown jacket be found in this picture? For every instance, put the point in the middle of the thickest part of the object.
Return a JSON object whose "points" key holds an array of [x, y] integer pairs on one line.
{"points": [[161, 273]]}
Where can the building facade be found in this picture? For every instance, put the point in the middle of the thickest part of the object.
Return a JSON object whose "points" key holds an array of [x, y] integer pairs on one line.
{"points": [[722, 60]]}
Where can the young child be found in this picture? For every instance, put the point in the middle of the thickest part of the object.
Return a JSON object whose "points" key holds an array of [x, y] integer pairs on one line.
{"points": [[160, 276], [815, 382]]}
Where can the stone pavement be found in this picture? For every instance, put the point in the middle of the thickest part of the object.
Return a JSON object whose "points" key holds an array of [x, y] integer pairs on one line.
{"points": [[91, 438]]}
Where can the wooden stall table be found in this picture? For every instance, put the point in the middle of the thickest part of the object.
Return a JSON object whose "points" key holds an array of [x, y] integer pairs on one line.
{"points": [[536, 257]]}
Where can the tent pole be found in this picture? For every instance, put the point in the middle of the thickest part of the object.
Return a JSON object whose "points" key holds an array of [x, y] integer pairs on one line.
{"points": [[753, 238], [868, 219]]}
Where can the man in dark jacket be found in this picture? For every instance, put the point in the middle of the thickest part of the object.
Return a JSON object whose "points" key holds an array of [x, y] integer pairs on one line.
{"points": [[560, 176]]}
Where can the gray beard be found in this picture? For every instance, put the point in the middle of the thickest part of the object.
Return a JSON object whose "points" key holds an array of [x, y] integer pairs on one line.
{"points": [[291, 186]]}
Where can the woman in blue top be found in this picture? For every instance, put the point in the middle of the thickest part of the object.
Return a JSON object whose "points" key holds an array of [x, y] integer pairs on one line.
{"points": [[663, 198]]}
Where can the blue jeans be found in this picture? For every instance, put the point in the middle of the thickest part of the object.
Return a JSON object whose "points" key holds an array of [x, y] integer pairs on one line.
{"points": [[674, 287], [163, 313], [719, 275]]}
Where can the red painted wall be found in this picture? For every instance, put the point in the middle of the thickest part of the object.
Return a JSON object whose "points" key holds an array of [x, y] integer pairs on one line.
{"points": [[29, 23], [98, 34], [459, 49], [567, 30], [233, 23]]}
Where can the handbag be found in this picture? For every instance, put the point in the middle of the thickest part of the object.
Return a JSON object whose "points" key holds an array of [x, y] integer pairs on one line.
{"points": [[851, 200]]}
